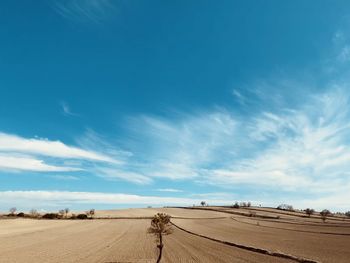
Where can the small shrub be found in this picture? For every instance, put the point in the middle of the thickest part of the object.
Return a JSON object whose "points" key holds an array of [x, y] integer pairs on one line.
{"points": [[51, 216], [90, 213], [21, 214], [82, 216], [347, 214]]}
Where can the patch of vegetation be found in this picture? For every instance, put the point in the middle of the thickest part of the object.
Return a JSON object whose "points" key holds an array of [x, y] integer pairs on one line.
{"points": [[82, 216], [21, 214], [245, 204], [324, 213], [236, 205], [285, 207], [51, 216], [309, 211]]}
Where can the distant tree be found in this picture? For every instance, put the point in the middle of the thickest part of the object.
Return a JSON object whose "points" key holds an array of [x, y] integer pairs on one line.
{"points": [[236, 205], [243, 204], [160, 225], [33, 213], [324, 213], [203, 203], [285, 207], [66, 211], [347, 213], [91, 213], [13, 210], [309, 211]]}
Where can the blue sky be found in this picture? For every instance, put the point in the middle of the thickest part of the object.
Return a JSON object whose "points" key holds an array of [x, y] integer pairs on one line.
{"points": [[132, 103]]}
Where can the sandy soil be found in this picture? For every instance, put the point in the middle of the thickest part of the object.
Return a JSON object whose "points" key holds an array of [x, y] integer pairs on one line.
{"points": [[126, 240], [324, 248], [149, 212]]}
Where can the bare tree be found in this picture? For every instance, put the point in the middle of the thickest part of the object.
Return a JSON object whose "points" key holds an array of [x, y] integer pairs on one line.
{"points": [[33, 213], [203, 203], [309, 211], [324, 213], [66, 211], [13, 210], [160, 225]]}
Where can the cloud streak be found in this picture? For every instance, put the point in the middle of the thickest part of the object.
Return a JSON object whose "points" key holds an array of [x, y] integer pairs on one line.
{"points": [[95, 11], [14, 143], [22, 154]]}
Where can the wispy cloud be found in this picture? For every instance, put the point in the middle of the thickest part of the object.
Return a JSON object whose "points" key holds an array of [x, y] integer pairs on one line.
{"points": [[65, 177], [117, 174], [13, 143], [66, 110], [23, 154], [303, 149], [12, 163], [95, 11]]}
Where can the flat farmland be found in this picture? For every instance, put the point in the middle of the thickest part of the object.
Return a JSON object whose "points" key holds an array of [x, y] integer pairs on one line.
{"points": [[121, 236]]}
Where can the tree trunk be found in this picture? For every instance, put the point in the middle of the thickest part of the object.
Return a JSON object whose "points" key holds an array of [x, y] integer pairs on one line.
{"points": [[160, 247]]}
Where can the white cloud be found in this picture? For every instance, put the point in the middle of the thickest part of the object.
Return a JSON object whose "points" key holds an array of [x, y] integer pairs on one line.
{"points": [[30, 164], [12, 143]]}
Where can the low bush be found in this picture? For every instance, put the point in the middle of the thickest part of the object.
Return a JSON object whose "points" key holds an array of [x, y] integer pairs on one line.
{"points": [[51, 216], [21, 214], [82, 216]]}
